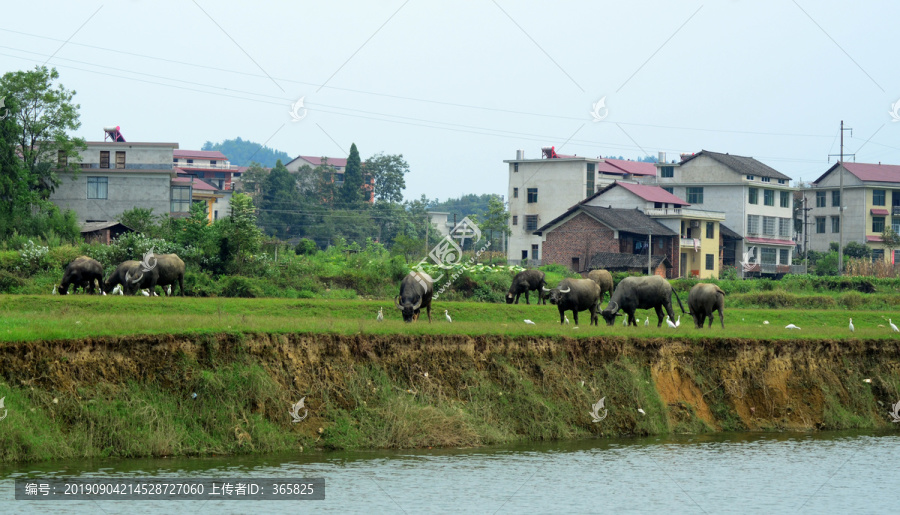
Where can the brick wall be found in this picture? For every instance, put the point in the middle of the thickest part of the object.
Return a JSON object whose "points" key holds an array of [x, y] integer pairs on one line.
{"points": [[579, 237]]}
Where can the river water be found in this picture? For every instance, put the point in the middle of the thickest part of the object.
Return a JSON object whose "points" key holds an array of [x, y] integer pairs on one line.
{"points": [[832, 472]]}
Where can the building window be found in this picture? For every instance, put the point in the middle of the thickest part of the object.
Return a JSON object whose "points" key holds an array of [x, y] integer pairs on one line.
{"points": [[515, 167], [766, 179], [190, 161], [534, 252], [670, 190], [784, 227], [532, 195], [767, 256], [219, 175], [769, 225], [589, 182], [835, 224], [710, 262], [877, 197], [97, 187], [752, 224], [515, 220], [339, 179], [590, 167], [576, 264], [695, 195], [836, 198], [515, 192], [754, 196], [212, 162], [878, 224], [104, 159], [181, 199], [61, 160], [877, 255], [782, 181], [215, 214], [820, 225], [769, 197], [749, 177], [120, 159], [820, 199], [710, 230], [895, 226], [667, 171], [783, 256], [785, 199], [530, 222]]}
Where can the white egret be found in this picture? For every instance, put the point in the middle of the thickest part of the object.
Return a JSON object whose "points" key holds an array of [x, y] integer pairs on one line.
{"points": [[678, 321], [852, 329], [380, 316], [529, 322], [446, 314], [642, 412], [669, 322], [646, 321], [566, 317], [893, 327], [765, 322], [791, 326], [54, 290], [625, 321]]}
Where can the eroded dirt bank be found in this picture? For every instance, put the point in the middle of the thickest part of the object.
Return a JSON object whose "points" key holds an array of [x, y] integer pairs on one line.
{"points": [[211, 394]]}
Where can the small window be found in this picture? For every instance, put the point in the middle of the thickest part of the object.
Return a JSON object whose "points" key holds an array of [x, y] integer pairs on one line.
{"points": [[710, 262], [753, 196], [524, 254], [212, 162], [190, 161], [104, 159], [820, 199], [515, 220], [877, 255], [820, 225], [590, 167], [589, 181], [766, 179], [516, 168], [576, 264], [782, 181], [878, 224], [695, 195], [878, 197], [181, 199], [97, 187], [769, 197], [836, 198], [752, 224], [767, 256], [531, 222], [784, 227], [749, 177], [532, 195], [835, 224], [710, 230], [769, 225], [515, 192], [215, 214], [784, 256], [785, 198], [667, 171], [61, 159], [670, 190], [120, 159], [534, 252]]}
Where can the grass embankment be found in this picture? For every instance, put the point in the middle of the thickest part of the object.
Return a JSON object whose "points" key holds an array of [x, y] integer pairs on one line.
{"points": [[157, 376]]}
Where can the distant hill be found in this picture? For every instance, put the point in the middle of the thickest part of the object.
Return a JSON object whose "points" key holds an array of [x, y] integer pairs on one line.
{"points": [[242, 152]]}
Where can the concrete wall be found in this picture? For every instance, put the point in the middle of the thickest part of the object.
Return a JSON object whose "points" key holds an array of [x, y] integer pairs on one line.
{"points": [[138, 156], [125, 190]]}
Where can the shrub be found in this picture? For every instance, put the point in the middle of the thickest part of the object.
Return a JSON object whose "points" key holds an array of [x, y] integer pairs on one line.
{"points": [[306, 247], [239, 286], [10, 283], [200, 284]]}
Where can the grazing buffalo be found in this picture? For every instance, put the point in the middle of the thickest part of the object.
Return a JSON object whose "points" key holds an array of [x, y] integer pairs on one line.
{"points": [[168, 270], [703, 299], [525, 282], [604, 280], [81, 273], [416, 291], [576, 295], [117, 278], [635, 293]]}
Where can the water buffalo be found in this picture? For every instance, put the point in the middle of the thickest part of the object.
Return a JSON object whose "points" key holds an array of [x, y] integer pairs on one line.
{"points": [[604, 280], [169, 270], [117, 278], [81, 273], [576, 295], [635, 293], [703, 299], [416, 291], [524, 282]]}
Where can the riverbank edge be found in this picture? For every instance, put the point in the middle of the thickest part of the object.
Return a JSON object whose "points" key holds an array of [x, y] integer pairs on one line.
{"points": [[231, 393]]}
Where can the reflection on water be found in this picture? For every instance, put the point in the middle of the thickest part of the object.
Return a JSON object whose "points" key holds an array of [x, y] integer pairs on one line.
{"points": [[732, 473]]}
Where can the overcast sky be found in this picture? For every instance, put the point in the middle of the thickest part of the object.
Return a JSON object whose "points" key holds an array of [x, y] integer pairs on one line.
{"points": [[459, 86]]}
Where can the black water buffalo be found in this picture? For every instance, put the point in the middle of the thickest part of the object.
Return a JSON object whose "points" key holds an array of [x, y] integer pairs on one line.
{"points": [[117, 278], [81, 273], [703, 299], [416, 291], [604, 280], [635, 293], [576, 295], [525, 282], [168, 270]]}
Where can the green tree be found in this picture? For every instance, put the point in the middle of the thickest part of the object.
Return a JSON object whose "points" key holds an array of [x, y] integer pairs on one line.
{"points": [[857, 250], [351, 191], [43, 116], [279, 203], [139, 219], [240, 235], [246, 153], [389, 174], [496, 220], [252, 180], [891, 240]]}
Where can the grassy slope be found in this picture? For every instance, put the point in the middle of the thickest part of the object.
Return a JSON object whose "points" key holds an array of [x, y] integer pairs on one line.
{"points": [[46, 317]]}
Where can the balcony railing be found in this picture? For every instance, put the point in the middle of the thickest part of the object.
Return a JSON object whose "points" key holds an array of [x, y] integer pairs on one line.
{"points": [[688, 242], [896, 211], [682, 212], [206, 166]]}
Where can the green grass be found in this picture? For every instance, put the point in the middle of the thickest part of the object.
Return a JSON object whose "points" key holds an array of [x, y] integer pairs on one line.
{"points": [[47, 317]]}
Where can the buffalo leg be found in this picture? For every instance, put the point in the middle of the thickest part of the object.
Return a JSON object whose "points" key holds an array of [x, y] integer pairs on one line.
{"points": [[415, 315], [659, 315], [721, 319], [562, 316], [428, 310], [526, 298], [517, 297]]}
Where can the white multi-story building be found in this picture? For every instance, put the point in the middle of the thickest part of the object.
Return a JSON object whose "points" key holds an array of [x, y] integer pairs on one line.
{"points": [[757, 201], [542, 189]]}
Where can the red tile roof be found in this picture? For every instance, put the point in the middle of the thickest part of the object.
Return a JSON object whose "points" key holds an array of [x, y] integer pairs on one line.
{"points": [[868, 172], [199, 154], [770, 241], [619, 166], [195, 183], [649, 193]]}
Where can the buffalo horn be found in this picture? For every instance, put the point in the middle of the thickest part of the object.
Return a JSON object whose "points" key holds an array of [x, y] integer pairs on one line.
{"points": [[567, 290], [545, 288], [613, 303], [397, 301], [418, 304]]}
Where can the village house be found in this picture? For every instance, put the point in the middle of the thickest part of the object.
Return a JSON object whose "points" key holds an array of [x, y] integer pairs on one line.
{"points": [[339, 165]]}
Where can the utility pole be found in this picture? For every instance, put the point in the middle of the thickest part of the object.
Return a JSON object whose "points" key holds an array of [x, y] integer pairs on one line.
{"points": [[841, 198], [806, 211]]}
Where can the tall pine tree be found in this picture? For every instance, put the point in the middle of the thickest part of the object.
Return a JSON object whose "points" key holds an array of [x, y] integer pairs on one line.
{"points": [[351, 191]]}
